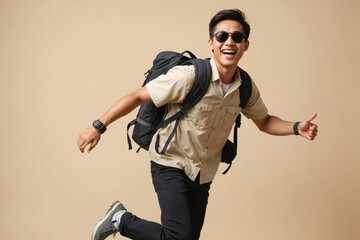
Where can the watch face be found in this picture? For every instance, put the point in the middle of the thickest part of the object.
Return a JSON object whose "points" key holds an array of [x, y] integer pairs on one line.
{"points": [[99, 126]]}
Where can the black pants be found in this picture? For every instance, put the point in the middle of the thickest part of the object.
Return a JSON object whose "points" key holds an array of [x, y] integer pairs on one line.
{"points": [[183, 205]]}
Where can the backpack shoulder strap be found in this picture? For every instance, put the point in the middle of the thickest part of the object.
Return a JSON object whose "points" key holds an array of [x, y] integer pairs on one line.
{"points": [[200, 85], [197, 91], [245, 88], [245, 94]]}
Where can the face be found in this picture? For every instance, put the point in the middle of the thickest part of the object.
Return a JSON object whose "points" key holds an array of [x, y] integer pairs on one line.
{"points": [[228, 53]]}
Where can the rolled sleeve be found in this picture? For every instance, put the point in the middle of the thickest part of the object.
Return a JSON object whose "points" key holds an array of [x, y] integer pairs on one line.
{"points": [[171, 87], [255, 109]]}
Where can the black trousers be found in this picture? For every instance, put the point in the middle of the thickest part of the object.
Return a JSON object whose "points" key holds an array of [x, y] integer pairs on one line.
{"points": [[183, 205]]}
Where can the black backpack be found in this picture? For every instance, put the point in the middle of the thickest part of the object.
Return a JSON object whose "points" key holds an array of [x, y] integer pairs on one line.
{"points": [[150, 118]]}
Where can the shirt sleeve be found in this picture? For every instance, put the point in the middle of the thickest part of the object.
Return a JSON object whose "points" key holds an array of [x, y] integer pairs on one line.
{"points": [[255, 108], [171, 87]]}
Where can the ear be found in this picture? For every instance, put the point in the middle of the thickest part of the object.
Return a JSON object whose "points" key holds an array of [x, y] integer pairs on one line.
{"points": [[247, 44], [210, 42]]}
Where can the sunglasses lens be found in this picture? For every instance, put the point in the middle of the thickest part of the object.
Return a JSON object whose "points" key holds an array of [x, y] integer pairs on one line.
{"points": [[237, 37], [221, 36]]}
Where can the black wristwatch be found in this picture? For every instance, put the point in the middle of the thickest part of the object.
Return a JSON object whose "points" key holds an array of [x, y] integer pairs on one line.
{"points": [[98, 125], [296, 128]]}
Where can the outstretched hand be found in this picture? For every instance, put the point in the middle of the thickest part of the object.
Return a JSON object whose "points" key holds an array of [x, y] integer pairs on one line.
{"points": [[307, 129], [89, 136]]}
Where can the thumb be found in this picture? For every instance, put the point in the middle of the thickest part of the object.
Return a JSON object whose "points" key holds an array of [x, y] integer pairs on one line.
{"points": [[304, 125], [311, 118]]}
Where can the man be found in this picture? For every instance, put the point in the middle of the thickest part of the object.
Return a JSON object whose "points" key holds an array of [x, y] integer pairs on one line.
{"points": [[183, 175]]}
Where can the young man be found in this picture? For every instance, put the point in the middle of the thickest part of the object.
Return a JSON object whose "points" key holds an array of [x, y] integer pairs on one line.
{"points": [[183, 175]]}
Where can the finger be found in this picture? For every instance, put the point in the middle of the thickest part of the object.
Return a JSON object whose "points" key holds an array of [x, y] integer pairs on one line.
{"points": [[311, 118], [311, 137], [79, 140], [313, 130], [92, 145], [81, 149], [82, 144], [313, 134]]}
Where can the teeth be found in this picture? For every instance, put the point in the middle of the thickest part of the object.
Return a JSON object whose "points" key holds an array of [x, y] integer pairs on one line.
{"points": [[228, 52]]}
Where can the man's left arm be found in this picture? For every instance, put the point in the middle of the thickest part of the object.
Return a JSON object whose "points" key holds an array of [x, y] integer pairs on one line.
{"points": [[275, 126]]}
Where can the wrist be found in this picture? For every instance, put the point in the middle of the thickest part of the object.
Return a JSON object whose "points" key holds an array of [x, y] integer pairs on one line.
{"points": [[296, 128], [99, 126]]}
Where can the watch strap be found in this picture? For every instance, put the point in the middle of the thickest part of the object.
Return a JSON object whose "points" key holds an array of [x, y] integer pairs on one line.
{"points": [[296, 128]]}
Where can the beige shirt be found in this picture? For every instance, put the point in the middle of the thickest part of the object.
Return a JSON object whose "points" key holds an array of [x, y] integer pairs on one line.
{"points": [[204, 129]]}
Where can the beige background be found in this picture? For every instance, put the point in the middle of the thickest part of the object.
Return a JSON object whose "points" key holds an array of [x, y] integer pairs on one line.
{"points": [[63, 63]]}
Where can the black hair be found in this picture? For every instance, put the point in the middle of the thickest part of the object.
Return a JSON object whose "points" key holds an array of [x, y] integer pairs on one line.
{"points": [[230, 14]]}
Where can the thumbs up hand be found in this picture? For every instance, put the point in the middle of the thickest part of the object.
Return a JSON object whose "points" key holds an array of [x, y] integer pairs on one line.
{"points": [[307, 129]]}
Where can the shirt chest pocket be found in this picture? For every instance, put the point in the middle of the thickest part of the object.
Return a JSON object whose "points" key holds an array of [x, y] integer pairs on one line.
{"points": [[200, 115], [230, 115]]}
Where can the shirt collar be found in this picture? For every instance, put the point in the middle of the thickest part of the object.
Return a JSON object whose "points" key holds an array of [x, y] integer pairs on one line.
{"points": [[216, 77]]}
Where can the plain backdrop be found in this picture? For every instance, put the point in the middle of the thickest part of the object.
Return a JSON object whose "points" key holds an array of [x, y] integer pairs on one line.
{"points": [[64, 62]]}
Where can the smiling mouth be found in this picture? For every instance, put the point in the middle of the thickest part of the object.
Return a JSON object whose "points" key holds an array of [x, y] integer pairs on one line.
{"points": [[229, 52]]}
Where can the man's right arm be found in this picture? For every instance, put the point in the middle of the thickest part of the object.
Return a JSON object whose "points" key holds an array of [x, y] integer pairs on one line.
{"points": [[90, 136]]}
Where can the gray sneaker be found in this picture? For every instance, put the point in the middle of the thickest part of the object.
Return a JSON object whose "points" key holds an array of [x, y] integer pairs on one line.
{"points": [[105, 226]]}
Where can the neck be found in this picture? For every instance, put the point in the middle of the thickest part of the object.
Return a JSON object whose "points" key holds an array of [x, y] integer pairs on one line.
{"points": [[226, 74]]}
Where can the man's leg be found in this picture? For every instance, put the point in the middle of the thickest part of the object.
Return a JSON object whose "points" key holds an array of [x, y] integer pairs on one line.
{"points": [[198, 202], [173, 189]]}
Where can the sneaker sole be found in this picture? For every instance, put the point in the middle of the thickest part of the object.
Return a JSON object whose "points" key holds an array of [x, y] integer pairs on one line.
{"points": [[110, 211]]}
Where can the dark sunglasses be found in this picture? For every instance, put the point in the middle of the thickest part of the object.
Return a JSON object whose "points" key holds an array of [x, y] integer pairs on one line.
{"points": [[222, 36]]}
